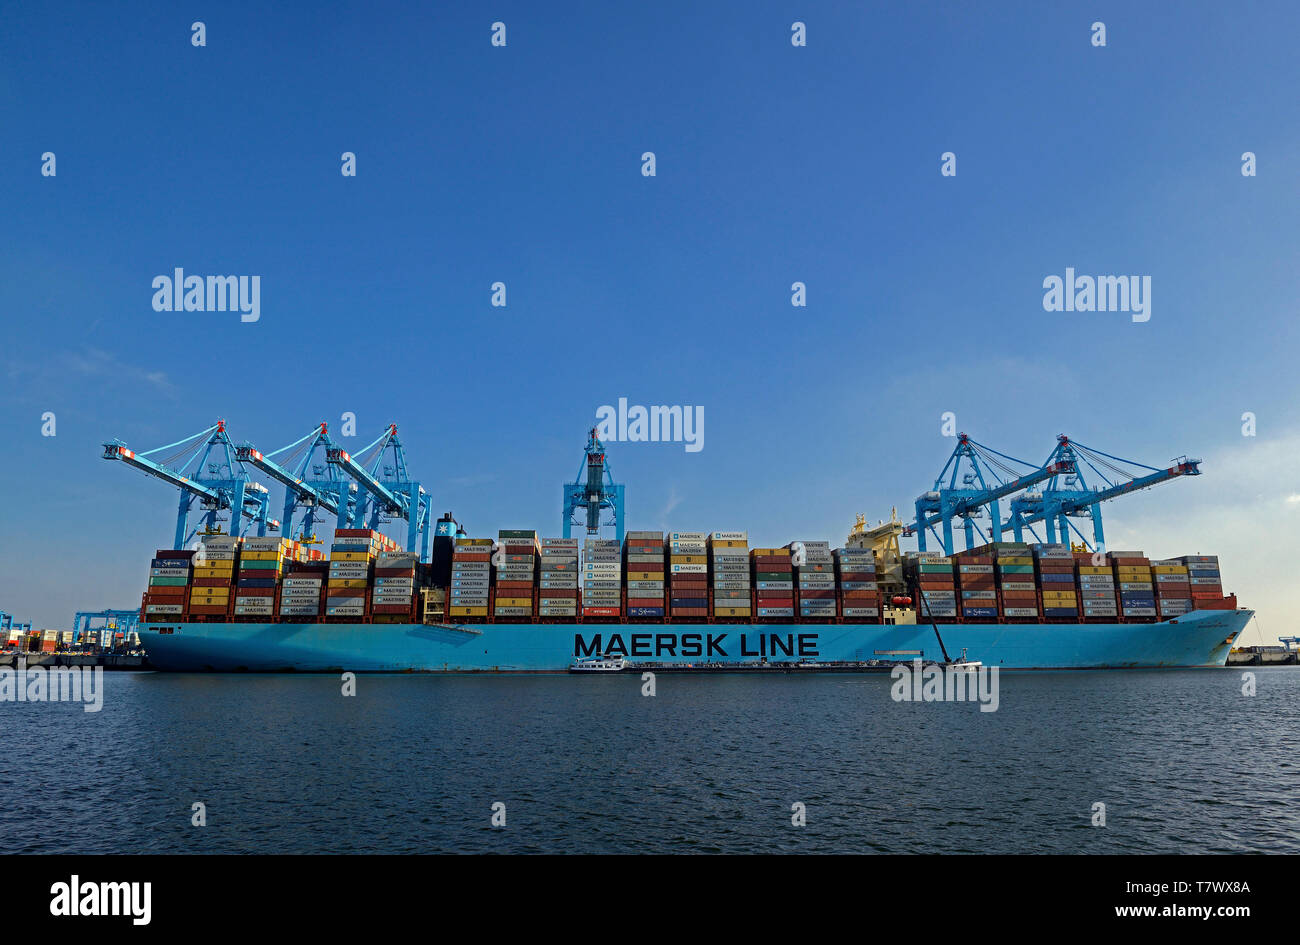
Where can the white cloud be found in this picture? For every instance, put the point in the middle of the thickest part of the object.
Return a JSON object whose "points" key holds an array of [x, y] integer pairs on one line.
{"points": [[1240, 509]]}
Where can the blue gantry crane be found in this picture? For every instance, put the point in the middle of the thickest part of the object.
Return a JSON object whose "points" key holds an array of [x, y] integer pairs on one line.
{"points": [[990, 477], [125, 622], [1068, 495], [598, 492], [205, 469], [390, 492], [326, 490], [7, 624]]}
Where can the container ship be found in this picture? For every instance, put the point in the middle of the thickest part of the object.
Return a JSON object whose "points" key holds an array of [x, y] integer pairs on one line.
{"points": [[522, 603]]}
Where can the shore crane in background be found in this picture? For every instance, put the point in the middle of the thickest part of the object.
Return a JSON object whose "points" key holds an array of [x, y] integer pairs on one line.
{"points": [[390, 491], [7, 624], [599, 491], [218, 482], [979, 487], [125, 622], [327, 491], [1072, 497]]}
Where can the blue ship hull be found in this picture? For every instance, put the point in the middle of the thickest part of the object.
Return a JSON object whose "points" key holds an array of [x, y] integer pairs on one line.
{"points": [[1201, 638]]}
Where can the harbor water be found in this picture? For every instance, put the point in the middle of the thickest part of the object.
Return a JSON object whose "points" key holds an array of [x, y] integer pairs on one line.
{"points": [[1182, 761]]}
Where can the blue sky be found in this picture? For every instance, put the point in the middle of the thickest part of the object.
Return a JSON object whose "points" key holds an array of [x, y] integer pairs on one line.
{"points": [[521, 164]]}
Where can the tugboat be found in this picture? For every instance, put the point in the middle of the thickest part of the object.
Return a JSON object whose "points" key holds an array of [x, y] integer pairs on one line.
{"points": [[598, 664]]}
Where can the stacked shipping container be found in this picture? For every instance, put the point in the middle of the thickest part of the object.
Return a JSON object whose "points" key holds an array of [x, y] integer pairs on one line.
{"points": [[300, 589], [558, 590], [858, 585], [394, 597], [261, 564], [213, 576], [1172, 587], [932, 574], [1055, 569], [516, 575], [977, 590], [730, 584], [1137, 597], [167, 597], [773, 583], [602, 578], [1205, 582], [815, 577], [688, 575], [471, 577], [643, 564]]}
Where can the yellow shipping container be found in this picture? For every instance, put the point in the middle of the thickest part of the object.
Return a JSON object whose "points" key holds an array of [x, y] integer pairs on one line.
{"points": [[349, 556], [1088, 569], [689, 559], [514, 602], [460, 542], [772, 552], [1017, 560], [645, 575], [731, 611], [260, 556], [1169, 569], [468, 611], [349, 582], [221, 592], [731, 544]]}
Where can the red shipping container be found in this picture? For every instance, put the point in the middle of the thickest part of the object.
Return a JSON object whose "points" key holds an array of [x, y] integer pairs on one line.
{"points": [[391, 609], [690, 611], [645, 601], [817, 595], [345, 592], [255, 592], [601, 611], [467, 556], [211, 582], [209, 611], [514, 586]]}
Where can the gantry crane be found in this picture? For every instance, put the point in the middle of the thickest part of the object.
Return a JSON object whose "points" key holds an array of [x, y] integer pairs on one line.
{"points": [[599, 491], [328, 490], [125, 622], [7, 625], [1072, 497], [390, 491], [979, 487], [218, 485]]}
